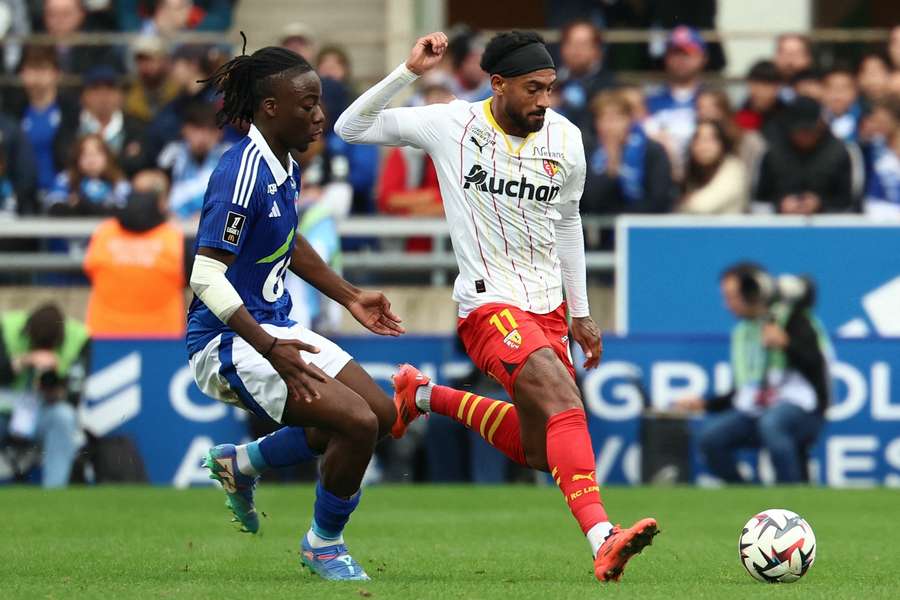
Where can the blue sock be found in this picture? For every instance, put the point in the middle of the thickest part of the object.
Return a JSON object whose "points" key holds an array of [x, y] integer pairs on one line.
{"points": [[284, 448], [330, 513]]}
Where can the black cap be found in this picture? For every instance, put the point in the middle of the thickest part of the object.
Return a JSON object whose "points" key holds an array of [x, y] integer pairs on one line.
{"points": [[803, 113]]}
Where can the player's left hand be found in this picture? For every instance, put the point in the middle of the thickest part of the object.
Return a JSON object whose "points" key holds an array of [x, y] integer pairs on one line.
{"points": [[373, 311], [587, 335], [774, 336]]}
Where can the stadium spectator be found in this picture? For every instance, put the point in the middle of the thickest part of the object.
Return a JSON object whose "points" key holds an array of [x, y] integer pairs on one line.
{"points": [[408, 185], [872, 78], [92, 185], [44, 358], [63, 19], [14, 21], [627, 172], [192, 159], [715, 180], [807, 82], [749, 146], [333, 63], [152, 87], [840, 98], [762, 103], [135, 262], [893, 84], [301, 38], [893, 47], [469, 82], [806, 169], [634, 95], [191, 67], [882, 198], [672, 107], [45, 114], [781, 387], [581, 75], [793, 54], [21, 170], [102, 102], [169, 16]]}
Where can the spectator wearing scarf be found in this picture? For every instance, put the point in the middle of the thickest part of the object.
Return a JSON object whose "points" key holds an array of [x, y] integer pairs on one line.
{"points": [[627, 171]]}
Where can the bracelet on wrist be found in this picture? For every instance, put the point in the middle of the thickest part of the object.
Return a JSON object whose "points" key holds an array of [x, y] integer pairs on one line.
{"points": [[272, 347]]}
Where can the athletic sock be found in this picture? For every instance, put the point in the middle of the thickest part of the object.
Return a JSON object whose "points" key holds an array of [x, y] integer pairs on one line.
{"points": [[571, 460], [330, 515], [494, 420], [284, 448]]}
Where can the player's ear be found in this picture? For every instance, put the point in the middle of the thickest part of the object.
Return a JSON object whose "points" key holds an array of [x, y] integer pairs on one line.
{"points": [[498, 84], [270, 107]]}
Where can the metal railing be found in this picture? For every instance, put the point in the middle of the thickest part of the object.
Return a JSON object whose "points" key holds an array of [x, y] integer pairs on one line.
{"points": [[439, 262]]}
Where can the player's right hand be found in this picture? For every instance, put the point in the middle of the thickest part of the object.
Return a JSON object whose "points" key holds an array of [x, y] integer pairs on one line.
{"points": [[428, 52], [298, 375]]}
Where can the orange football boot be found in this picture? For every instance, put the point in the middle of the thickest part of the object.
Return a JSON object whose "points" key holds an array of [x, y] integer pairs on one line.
{"points": [[406, 381], [620, 546]]}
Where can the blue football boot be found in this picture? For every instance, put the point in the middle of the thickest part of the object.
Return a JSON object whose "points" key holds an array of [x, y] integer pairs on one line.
{"points": [[331, 562]]}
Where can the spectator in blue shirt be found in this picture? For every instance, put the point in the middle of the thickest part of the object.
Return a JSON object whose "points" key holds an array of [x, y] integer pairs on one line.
{"points": [[192, 159], [672, 107], [44, 113], [841, 100], [92, 185], [882, 198]]}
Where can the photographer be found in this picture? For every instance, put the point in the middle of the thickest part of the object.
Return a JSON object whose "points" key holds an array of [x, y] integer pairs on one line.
{"points": [[43, 362], [781, 385]]}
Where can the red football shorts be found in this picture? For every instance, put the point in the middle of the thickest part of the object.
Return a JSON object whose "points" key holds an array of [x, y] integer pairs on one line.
{"points": [[499, 338]]}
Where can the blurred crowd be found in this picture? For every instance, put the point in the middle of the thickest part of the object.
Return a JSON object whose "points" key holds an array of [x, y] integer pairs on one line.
{"points": [[81, 126]]}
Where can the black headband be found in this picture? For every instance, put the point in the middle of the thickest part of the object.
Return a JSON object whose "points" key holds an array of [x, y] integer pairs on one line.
{"points": [[525, 59]]}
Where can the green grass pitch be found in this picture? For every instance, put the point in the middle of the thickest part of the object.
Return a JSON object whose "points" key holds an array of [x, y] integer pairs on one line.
{"points": [[512, 542]]}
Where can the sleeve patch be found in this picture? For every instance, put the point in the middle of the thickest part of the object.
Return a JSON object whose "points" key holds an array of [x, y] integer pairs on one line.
{"points": [[234, 224]]}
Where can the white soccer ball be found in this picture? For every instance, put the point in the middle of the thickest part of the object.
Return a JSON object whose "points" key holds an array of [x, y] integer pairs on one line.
{"points": [[777, 546]]}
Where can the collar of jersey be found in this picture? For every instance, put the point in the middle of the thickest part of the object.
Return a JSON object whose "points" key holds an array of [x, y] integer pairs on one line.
{"points": [[490, 119], [275, 166]]}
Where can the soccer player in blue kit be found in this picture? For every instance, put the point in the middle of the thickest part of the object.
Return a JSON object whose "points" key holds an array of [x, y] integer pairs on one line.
{"points": [[244, 350]]}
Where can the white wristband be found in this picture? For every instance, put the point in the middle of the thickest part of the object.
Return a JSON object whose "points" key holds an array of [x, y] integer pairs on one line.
{"points": [[212, 287]]}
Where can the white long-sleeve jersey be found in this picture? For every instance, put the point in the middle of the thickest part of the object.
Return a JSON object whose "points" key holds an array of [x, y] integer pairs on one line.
{"points": [[511, 203]]}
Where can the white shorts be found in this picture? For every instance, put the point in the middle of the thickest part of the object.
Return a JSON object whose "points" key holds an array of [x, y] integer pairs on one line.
{"points": [[230, 370]]}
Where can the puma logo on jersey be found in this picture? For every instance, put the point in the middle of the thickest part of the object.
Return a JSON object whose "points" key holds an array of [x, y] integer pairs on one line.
{"points": [[474, 141], [579, 477], [520, 189], [275, 212]]}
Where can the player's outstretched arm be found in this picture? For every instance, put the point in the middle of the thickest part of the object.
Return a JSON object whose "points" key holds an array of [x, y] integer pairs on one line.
{"points": [[367, 121], [212, 287], [371, 309]]}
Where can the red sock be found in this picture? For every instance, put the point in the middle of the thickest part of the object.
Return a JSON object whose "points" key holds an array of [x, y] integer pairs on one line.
{"points": [[494, 420], [571, 460]]}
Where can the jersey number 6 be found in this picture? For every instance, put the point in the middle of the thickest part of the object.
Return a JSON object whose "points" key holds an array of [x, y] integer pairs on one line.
{"points": [[273, 288]]}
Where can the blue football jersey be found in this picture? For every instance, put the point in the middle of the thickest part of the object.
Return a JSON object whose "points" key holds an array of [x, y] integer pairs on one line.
{"points": [[249, 210]]}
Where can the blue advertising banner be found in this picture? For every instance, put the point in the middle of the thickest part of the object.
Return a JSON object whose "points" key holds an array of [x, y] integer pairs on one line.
{"points": [[668, 269], [145, 389]]}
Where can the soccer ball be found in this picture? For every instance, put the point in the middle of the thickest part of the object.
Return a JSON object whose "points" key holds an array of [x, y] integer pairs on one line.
{"points": [[777, 546]]}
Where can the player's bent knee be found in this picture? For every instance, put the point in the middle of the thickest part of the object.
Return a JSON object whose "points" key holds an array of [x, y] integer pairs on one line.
{"points": [[546, 385], [362, 427]]}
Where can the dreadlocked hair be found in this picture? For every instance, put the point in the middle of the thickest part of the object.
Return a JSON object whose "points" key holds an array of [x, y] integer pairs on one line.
{"points": [[244, 81]]}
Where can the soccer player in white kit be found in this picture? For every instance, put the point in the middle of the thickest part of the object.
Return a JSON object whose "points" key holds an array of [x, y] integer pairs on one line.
{"points": [[511, 174]]}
